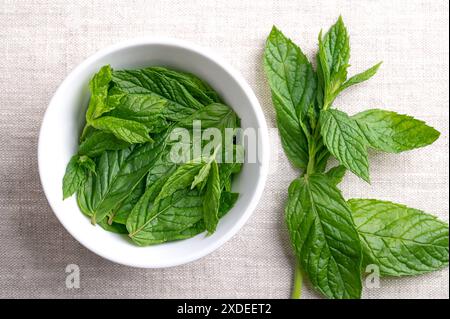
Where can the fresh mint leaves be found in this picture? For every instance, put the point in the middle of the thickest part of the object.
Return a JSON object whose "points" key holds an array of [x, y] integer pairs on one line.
{"points": [[124, 175], [334, 240], [324, 236]]}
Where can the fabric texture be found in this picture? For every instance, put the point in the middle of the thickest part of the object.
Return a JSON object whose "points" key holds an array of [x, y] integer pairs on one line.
{"points": [[42, 41]]}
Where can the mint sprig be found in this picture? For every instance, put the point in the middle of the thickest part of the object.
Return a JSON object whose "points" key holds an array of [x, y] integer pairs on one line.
{"points": [[333, 239]]}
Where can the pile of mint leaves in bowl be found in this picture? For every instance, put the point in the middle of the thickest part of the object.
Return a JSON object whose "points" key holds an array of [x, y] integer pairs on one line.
{"points": [[153, 153]]}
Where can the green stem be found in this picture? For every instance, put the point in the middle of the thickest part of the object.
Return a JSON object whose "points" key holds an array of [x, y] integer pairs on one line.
{"points": [[298, 280], [85, 130]]}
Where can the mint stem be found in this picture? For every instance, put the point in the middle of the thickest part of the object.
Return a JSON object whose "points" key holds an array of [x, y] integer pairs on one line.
{"points": [[298, 281]]}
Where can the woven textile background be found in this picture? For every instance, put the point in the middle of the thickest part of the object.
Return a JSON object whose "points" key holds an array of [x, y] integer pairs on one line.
{"points": [[42, 41]]}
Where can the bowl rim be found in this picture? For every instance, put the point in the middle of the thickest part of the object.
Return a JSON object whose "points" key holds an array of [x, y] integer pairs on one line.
{"points": [[263, 135]]}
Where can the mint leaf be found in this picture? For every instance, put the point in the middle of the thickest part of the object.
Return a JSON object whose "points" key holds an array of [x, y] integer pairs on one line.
{"points": [[117, 174], [391, 132], [212, 199], [173, 210], [113, 227], [361, 77], [98, 142], [324, 237], [142, 108], [402, 241], [99, 86], [121, 213], [336, 174], [334, 55], [198, 88], [293, 85], [215, 115], [74, 177], [201, 178], [227, 201], [180, 102], [228, 169], [126, 130], [345, 140]]}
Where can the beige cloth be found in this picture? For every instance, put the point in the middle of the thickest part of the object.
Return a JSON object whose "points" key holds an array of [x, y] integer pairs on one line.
{"points": [[42, 41]]}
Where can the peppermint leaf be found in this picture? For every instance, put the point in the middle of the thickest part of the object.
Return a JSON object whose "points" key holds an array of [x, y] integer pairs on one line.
{"points": [[391, 132], [402, 241], [293, 85], [324, 237], [345, 140], [361, 77], [212, 199]]}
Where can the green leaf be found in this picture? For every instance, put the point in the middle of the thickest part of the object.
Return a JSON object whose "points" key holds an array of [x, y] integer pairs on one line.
{"points": [[202, 176], [227, 168], [121, 213], [290, 74], [87, 163], [99, 86], [74, 177], [215, 115], [198, 88], [180, 102], [324, 237], [391, 132], [361, 77], [321, 155], [113, 227], [163, 166], [173, 210], [227, 201], [142, 108], [118, 173], [334, 55], [345, 140], [100, 141], [140, 214], [336, 174], [402, 241], [212, 199], [293, 85], [126, 130]]}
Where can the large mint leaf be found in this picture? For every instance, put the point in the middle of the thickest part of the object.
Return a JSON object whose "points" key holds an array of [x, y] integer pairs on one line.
{"points": [[402, 241], [180, 102], [345, 140], [293, 84], [391, 132], [176, 207], [324, 237], [117, 173]]}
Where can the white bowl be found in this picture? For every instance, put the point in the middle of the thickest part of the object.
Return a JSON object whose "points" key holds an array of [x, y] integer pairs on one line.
{"points": [[64, 118]]}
